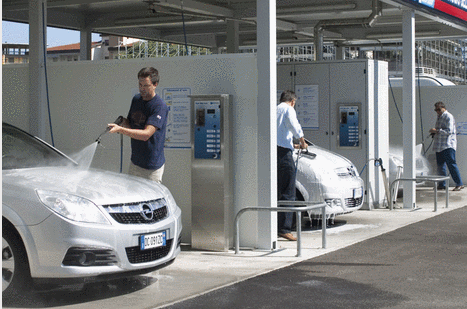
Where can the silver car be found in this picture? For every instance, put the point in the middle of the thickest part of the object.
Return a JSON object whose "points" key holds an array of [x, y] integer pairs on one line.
{"points": [[65, 224], [323, 175]]}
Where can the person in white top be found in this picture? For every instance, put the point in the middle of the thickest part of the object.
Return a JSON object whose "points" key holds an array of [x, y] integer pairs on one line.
{"points": [[288, 128]]}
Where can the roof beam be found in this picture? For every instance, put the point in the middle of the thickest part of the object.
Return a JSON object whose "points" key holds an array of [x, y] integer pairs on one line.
{"points": [[196, 7], [19, 6]]}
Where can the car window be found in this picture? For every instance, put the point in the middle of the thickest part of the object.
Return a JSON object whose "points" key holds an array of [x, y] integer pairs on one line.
{"points": [[20, 150]]}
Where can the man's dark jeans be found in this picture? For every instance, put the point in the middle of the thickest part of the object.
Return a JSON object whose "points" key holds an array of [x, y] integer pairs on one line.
{"points": [[285, 187], [448, 157]]}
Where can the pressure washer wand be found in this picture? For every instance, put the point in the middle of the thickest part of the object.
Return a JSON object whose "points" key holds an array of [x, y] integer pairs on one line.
{"points": [[385, 178], [118, 121]]}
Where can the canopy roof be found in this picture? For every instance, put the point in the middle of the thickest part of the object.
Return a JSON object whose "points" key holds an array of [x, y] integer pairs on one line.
{"points": [[206, 22]]}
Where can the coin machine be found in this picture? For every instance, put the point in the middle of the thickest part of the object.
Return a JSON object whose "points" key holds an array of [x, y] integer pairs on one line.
{"points": [[211, 173]]}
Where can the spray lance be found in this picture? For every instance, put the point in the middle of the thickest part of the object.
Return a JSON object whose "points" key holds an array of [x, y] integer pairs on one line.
{"points": [[118, 121], [385, 178]]}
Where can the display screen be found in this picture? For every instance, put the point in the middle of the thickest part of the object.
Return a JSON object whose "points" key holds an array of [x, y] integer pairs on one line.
{"points": [[454, 8]]}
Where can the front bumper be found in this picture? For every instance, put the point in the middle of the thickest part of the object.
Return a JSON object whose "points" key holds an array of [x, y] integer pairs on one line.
{"points": [[341, 197], [56, 236]]}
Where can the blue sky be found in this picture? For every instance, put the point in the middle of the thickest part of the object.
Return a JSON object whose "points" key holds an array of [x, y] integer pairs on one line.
{"points": [[19, 33]]}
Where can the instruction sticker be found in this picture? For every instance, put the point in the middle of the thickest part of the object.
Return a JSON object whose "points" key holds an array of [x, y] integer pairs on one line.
{"points": [[178, 122], [462, 128]]}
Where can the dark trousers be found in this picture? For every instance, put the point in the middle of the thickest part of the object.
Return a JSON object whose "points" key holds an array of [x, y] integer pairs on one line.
{"points": [[285, 187], [448, 157]]}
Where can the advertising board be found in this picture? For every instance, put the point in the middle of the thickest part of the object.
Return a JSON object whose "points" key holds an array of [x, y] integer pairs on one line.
{"points": [[453, 8]]}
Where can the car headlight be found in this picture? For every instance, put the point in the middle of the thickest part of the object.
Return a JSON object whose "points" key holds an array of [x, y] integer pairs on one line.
{"points": [[342, 171], [72, 207]]}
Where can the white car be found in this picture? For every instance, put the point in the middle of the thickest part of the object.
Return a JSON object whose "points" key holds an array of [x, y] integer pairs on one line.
{"points": [[323, 175], [64, 224], [396, 166]]}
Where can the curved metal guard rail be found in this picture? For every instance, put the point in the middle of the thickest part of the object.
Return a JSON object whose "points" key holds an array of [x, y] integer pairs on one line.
{"points": [[433, 178], [297, 210]]}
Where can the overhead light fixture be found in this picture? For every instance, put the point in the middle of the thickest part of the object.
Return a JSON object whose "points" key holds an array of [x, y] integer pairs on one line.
{"points": [[317, 9], [163, 21], [398, 35]]}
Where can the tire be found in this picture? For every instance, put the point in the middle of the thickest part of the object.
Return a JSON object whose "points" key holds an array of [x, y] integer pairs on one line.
{"points": [[16, 276]]}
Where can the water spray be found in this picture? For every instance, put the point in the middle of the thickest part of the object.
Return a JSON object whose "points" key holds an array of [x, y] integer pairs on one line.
{"points": [[119, 121]]}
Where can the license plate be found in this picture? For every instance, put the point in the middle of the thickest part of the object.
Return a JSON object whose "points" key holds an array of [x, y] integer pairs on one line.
{"points": [[357, 193], [155, 240]]}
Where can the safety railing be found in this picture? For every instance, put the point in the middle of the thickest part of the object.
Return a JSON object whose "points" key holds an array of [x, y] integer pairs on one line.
{"points": [[280, 208], [435, 179]]}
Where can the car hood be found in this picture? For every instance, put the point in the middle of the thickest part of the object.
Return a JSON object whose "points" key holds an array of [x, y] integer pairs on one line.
{"points": [[102, 187], [324, 157]]}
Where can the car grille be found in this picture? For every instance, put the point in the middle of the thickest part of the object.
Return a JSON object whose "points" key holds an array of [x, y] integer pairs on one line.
{"points": [[138, 213], [136, 255], [353, 202]]}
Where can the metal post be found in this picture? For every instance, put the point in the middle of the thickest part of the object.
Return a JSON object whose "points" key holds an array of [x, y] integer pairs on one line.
{"points": [[237, 234], [299, 233], [447, 192], [323, 234], [298, 210]]}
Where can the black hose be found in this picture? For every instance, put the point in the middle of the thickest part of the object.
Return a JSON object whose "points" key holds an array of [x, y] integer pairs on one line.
{"points": [[44, 31], [394, 99], [420, 104], [121, 153]]}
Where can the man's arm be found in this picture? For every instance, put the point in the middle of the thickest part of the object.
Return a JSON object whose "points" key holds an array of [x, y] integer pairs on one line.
{"points": [[142, 135]]}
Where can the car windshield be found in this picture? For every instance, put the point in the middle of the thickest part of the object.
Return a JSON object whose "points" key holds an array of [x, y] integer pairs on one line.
{"points": [[21, 150]]}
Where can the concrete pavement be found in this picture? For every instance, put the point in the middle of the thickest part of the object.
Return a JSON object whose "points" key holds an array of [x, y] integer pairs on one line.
{"points": [[362, 241]]}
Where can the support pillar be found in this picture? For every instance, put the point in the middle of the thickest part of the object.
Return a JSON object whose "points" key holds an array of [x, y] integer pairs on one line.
{"points": [[408, 96], [233, 36], [267, 129], [318, 33], [340, 53], [38, 118], [85, 44]]}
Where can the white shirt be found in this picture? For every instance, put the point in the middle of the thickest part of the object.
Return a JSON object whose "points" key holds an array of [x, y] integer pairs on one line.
{"points": [[288, 126]]}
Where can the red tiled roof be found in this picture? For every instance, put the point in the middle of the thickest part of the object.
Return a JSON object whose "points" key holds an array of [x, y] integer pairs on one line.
{"points": [[74, 46]]}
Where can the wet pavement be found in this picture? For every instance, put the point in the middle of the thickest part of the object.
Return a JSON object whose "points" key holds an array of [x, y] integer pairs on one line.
{"points": [[374, 259], [422, 265]]}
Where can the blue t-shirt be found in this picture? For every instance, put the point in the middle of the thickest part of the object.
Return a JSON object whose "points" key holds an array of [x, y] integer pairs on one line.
{"points": [[149, 154]]}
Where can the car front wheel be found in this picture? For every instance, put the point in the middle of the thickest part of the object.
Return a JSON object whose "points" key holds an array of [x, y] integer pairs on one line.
{"points": [[15, 267]]}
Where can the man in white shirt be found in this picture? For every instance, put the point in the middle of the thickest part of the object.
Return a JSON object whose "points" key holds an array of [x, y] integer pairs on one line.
{"points": [[288, 128]]}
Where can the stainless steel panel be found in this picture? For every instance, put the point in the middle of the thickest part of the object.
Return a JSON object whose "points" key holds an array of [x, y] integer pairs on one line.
{"points": [[212, 186]]}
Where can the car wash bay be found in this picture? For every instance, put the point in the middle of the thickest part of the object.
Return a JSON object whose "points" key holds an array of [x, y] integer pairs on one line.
{"points": [[90, 93], [261, 163]]}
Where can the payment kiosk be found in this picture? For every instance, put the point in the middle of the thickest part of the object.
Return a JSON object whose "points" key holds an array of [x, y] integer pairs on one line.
{"points": [[211, 172]]}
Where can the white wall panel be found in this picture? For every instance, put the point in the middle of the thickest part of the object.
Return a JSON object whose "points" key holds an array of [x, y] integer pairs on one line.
{"points": [[85, 96]]}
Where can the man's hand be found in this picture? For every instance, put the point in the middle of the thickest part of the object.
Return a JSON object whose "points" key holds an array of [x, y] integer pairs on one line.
{"points": [[114, 128], [303, 144], [433, 130]]}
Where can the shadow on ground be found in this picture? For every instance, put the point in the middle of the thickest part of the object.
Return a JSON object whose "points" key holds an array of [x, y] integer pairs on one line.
{"points": [[47, 297]]}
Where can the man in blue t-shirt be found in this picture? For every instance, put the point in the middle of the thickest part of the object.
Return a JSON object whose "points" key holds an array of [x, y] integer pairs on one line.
{"points": [[146, 125]]}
